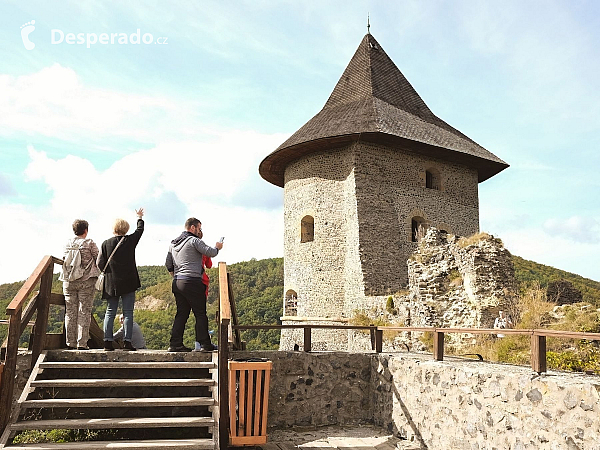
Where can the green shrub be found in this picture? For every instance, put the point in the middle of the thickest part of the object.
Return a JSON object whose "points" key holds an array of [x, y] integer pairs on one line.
{"points": [[389, 305]]}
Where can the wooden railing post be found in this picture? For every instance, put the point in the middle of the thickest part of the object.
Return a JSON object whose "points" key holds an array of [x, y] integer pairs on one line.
{"points": [[10, 368], [538, 353], [307, 339], [224, 384], [41, 321], [378, 341], [438, 345]]}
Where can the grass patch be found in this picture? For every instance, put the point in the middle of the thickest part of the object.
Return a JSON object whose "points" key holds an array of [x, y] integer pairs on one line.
{"points": [[475, 238]]}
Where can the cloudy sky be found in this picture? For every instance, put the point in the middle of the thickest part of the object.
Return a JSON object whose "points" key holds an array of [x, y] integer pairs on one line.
{"points": [[177, 118]]}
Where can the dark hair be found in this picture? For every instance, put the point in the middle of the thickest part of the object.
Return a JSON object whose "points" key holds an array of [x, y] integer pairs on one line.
{"points": [[192, 221], [79, 227]]}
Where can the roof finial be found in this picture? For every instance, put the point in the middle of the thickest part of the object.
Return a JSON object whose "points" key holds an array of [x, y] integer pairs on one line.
{"points": [[368, 25]]}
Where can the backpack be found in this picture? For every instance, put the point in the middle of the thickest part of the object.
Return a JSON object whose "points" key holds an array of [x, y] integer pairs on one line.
{"points": [[72, 269]]}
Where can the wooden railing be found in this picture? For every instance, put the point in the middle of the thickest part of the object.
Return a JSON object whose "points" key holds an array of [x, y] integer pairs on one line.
{"points": [[18, 321], [538, 337], [225, 336]]}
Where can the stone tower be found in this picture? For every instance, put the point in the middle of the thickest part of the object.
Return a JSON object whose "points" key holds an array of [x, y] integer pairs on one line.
{"points": [[359, 180]]}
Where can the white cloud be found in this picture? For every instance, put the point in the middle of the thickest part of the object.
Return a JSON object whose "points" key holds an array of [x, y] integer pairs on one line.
{"points": [[579, 229], [55, 102], [171, 181]]}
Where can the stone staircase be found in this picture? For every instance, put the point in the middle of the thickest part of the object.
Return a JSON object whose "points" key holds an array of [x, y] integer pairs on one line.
{"points": [[132, 400]]}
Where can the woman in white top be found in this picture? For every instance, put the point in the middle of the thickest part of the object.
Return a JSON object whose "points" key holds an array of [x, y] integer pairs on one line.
{"points": [[78, 286]]}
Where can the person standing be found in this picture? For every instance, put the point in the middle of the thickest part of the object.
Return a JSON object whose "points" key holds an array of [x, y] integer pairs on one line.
{"points": [[206, 264], [502, 322], [121, 278], [78, 286], [184, 263]]}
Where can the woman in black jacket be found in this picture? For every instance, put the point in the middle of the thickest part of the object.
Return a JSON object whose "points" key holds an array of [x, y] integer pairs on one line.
{"points": [[121, 278]]}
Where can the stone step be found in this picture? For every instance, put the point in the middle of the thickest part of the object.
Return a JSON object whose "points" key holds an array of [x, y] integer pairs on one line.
{"points": [[117, 402], [127, 365], [123, 382], [184, 444], [101, 424]]}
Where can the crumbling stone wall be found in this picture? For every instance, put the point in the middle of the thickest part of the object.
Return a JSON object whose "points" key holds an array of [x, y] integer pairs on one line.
{"points": [[458, 282]]}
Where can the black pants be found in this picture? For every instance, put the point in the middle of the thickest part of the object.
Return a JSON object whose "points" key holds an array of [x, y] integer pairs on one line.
{"points": [[190, 295]]}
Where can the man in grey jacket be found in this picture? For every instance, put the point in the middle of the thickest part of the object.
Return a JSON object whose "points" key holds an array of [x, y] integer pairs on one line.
{"points": [[184, 263]]}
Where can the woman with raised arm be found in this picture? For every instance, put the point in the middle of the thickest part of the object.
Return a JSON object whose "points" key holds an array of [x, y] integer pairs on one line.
{"points": [[117, 259]]}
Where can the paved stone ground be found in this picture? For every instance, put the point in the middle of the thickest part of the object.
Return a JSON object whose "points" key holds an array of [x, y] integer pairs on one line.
{"points": [[362, 437]]}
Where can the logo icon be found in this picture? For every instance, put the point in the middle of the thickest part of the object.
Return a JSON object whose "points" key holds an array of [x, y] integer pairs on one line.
{"points": [[26, 30]]}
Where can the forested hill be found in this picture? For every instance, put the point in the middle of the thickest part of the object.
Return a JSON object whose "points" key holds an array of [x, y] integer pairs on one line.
{"points": [[528, 272], [258, 292]]}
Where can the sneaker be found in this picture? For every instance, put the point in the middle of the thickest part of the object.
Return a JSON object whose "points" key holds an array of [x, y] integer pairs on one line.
{"points": [[108, 346], [128, 346], [70, 348], [82, 348], [207, 348], [179, 348]]}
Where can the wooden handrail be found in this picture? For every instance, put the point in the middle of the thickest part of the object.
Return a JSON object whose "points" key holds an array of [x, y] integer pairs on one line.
{"points": [[6, 322], [18, 321], [17, 302], [224, 305], [538, 336], [280, 327]]}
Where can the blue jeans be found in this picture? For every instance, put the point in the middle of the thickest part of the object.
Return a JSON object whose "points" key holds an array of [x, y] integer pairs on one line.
{"points": [[111, 311]]}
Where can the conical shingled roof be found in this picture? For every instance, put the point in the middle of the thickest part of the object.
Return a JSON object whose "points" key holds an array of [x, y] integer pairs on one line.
{"points": [[374, 101]]}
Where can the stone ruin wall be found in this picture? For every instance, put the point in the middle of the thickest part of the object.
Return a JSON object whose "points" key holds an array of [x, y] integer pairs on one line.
{"points": [[451, 284]]}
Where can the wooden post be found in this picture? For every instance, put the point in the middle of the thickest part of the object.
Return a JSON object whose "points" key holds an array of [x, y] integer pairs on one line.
{"points": [[10, 368], [223, 384], [438, 345], [538, 353], [41, 321], [378, 341], [307, 337], [372, 333]]}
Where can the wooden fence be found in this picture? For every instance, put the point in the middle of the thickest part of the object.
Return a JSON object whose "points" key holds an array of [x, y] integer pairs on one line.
{"points": [[537, 336]]}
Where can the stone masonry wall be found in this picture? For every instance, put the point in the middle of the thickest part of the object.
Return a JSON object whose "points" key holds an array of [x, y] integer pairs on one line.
{"points": [[472, 405], [317, 389], [390, 190], [452, 404]]}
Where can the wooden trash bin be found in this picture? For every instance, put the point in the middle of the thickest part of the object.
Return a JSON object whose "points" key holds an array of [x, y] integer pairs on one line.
{"points": [[248, 401]]}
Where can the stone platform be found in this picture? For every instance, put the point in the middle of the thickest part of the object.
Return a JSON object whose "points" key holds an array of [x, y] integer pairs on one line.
{"points": [[363, 437]]}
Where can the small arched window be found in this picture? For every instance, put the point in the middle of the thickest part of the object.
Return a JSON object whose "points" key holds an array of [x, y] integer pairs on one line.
{"points": [[418, 228], [291, 303], [307, 229], [432, 179]]}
